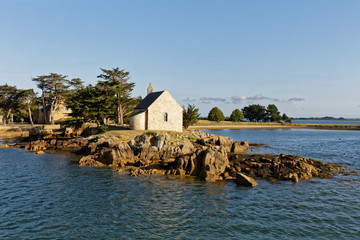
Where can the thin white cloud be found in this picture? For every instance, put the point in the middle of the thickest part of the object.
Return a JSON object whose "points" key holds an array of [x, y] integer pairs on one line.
{"points": [[258, 97], [241, 99], [188, 100], [211, 99], [295, 99]]}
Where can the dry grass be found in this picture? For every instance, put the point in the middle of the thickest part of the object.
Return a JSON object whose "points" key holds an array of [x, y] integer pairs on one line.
{"points": [[127, 135], [205, 124]]}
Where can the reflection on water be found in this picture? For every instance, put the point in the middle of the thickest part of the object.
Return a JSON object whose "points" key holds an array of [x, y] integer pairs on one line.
{"points": [[48, 197]]}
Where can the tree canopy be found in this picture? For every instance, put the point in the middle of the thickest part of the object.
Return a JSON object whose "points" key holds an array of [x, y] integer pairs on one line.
{"points": [[109, 99], [9, 101], [18, 103], [87, 105], [55, 88], [254, 112], [236, 116], [286, 119], [257, 113], [216, 115], [117, 90], [28, 101], [273, 113]]}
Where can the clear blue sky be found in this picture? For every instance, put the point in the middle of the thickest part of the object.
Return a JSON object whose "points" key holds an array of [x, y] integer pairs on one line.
{"points": [[303, 56]]}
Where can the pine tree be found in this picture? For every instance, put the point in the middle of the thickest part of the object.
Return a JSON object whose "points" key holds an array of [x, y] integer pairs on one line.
{"points": [[55, 89], [117, 90], [190, 115]]}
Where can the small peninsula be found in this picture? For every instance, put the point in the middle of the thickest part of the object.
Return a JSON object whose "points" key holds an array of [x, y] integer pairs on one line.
{"points": [[193, 153]]}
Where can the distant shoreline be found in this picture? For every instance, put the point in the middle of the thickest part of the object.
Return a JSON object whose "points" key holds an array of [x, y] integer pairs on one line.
{"points": [[327, 119], [205, 124], [242, 127]]}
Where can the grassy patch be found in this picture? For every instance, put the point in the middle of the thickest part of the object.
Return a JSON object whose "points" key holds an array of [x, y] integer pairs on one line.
{"points": [[334, 126]]}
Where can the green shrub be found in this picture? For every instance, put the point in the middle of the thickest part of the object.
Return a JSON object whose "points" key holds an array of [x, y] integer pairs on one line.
{"points": [[216, 115], [236, 116]]}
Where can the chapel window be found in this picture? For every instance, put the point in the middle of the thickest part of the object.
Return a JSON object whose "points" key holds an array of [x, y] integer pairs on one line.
{"points": [[165, 117]]}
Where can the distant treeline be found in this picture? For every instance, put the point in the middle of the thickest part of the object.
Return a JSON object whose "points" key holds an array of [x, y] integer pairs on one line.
{"points": [[252, 113], [327, 118], [108, 100]]}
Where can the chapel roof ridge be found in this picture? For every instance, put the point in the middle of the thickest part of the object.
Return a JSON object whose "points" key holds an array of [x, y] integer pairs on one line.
{"points": [[149, 99]]}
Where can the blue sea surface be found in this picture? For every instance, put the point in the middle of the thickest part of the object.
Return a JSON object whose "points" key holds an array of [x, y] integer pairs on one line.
{"points": [[49, 197]]}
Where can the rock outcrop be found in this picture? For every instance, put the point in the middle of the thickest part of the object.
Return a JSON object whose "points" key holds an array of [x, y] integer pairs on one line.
{"points": [[282, 167], [242, 179], [37, 133], [228, 144], [209, 157], [214, 163], [239, 147]]}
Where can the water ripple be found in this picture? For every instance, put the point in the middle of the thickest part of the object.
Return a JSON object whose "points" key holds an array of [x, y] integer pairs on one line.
{"points": [[47, 197]]}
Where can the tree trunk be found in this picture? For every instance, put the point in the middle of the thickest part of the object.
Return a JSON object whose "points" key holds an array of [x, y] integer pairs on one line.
{"points": [[6, 116], [120, 115], [43, 109], [52, 115], [30, 116], [54, 107]]}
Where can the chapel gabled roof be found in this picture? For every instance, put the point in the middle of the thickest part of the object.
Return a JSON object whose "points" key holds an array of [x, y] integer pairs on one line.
{"points": [[148, 100]]}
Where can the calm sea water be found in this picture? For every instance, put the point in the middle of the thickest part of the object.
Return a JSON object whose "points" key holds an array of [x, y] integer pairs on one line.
{"points": [[49, 197]]}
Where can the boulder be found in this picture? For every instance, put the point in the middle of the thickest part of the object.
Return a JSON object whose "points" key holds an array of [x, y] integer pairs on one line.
{"points": [[243, 180], [88, 129], [35, 146], [108, 142], [199, 134], [35, 131], [150, 153], [4, 146], [239, 147], [119, 156], [68, 132], [225, 142], [107, 156], [294, 177], [212, 140], [73, 144], [40, 133], [160, 146], [90, 161], [123, 155], [214, 163], [140, 144], [91, 148], [160, 140], [190, 163]]}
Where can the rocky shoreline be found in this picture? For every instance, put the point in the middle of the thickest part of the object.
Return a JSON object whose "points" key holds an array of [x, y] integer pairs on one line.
{"points": [[209, 157]]}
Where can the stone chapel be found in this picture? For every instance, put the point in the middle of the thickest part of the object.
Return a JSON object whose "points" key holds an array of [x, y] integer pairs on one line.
{"points": [[157, 111]]}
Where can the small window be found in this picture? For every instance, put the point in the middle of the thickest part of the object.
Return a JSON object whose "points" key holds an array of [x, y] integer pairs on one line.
{"points": [[165, 117]]}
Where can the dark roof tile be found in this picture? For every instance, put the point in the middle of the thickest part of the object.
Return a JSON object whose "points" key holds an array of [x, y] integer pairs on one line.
{"points": [[148, 100]]}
